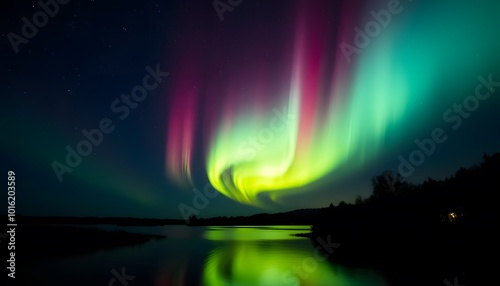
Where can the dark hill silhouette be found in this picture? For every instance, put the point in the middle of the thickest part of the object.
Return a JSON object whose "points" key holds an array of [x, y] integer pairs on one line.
{"points": [[48, 242], [295, 217], [90, 220]]}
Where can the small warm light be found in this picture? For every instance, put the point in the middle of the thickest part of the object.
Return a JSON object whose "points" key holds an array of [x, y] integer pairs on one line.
{"points": [[452, 216]]}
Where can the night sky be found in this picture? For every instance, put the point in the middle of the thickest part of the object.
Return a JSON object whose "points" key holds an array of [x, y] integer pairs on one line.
{"points": [[277, 105]]}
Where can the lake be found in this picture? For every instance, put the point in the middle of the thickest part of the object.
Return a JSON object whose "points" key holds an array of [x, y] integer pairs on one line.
{"points": [[212, 256]]}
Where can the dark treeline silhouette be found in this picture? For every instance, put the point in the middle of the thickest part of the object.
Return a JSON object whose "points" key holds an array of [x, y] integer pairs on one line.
{"points": [[436, 230]]}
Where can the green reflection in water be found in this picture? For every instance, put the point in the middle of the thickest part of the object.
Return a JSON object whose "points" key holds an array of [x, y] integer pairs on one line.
{"points": [[255, 233], [269, 256]]}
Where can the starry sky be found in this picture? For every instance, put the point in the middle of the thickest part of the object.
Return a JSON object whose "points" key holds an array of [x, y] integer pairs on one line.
{"points": [[123, 108]]}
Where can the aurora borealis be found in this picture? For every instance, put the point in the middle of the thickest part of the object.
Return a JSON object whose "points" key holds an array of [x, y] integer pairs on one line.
{"points": [[311, 115], [267, 106]]}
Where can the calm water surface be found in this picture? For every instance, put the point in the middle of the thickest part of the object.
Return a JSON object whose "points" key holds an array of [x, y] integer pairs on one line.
{"points": [[213, 256]]}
